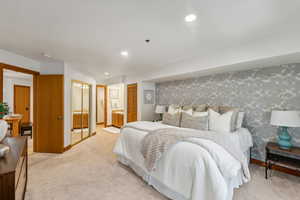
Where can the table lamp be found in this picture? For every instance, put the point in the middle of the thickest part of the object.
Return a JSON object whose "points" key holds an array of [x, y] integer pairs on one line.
{"points": [[285, 119], [160, 110]]}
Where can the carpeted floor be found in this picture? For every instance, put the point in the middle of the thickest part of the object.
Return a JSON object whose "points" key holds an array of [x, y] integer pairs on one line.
{"points": [[89, 171], [112, 129]]}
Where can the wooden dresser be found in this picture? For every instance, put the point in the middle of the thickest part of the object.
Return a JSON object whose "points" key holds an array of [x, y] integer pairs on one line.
{"points": [[117, 119], [13, 169]]}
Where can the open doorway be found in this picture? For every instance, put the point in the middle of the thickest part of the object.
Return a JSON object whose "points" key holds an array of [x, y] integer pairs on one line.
{"points": [[18, 96], [101, 106], [115, 107]]}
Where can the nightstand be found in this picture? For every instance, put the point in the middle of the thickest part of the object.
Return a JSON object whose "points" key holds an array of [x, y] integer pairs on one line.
{"points": [[289, 159]]}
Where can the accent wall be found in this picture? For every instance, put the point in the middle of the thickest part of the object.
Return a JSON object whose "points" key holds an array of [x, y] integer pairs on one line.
{"points": [[256, 92]]}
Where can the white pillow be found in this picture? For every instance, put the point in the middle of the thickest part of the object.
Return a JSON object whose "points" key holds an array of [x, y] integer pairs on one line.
{"points": [[200, 114], [220, 122], [173, 109], [240, 120], [189, 111]]}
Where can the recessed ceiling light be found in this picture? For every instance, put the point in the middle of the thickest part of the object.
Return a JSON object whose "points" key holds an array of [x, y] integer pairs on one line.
{"points": [[106, 73], [190, 18], [46, 55], [124, 53]]}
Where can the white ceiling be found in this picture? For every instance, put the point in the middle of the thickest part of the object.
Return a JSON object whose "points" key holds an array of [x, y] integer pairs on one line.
{"points": [[92, 33]]}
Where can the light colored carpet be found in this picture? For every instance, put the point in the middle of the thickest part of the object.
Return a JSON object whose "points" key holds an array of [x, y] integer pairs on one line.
{"points": [[112, 129], [89, 171]]}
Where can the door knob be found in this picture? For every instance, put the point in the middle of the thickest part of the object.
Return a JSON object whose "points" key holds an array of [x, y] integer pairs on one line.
{"points": [[60, 118], [26, 108]]}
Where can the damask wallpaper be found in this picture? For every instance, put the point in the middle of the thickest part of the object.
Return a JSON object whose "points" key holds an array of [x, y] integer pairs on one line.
{"points": [[256, 92]]}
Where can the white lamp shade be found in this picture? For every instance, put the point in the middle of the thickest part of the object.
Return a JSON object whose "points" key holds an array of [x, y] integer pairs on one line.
{"points": [[285, 118], [160, 109]]}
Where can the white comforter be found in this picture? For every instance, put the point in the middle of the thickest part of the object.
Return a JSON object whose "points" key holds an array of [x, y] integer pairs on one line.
{"points": [[197, 169]]}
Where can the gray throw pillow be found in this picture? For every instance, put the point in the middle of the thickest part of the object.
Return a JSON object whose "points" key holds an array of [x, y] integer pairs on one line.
{"points": [[172, 119], [194, 122]]}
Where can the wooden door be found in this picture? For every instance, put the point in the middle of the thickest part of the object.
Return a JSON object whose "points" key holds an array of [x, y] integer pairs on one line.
{"points": [[50, 112], [22, 102], [132, 102]]}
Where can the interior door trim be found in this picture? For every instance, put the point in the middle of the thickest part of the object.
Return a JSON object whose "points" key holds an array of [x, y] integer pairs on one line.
{"points": [[34, 85]]}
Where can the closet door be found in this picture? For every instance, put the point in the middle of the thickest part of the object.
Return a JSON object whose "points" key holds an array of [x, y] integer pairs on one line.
{"points": [[50, 114], [76, 112], [132, 102], [85, 110]]}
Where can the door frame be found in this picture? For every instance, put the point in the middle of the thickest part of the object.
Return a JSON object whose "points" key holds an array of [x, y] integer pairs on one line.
{"points": [[24, 86], [90, 111], [105, 104], [34, 85]]}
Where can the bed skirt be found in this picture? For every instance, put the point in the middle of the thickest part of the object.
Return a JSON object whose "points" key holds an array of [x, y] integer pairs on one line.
{"points": [[150, 180]]}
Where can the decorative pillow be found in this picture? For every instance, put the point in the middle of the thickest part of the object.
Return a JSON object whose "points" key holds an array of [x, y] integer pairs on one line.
{"points": [[200, 108], [200, 114], [240, 120], [172, 109], [172, 119], [224, 109], [198, 121], [221, 122], [187, 109]]}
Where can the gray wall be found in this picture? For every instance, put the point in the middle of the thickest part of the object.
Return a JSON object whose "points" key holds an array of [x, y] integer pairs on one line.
{"points": [[256, 92]]}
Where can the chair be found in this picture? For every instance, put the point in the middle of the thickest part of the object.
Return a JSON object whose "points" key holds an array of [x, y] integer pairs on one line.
{"points": [[26, 127]]}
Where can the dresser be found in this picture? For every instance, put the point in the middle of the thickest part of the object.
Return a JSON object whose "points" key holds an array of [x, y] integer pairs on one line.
{"points": [[13, 169]]}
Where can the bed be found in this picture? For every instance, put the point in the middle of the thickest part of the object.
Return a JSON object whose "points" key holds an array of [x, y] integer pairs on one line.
{"points": [[187, 171]]}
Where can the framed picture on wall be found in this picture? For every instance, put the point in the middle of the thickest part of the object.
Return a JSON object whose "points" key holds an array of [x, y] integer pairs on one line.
{"points": [[114, 93], [148, 96]]}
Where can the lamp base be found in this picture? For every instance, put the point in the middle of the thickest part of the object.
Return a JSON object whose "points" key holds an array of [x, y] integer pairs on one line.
{"points": [[161, 116], [284, 139]]}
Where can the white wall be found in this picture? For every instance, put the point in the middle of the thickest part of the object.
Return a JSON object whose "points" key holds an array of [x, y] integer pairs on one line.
{"points": [[17, 60], [52, 67], [71, 74], [8, 92], [146, 111]]}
